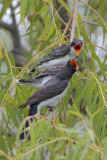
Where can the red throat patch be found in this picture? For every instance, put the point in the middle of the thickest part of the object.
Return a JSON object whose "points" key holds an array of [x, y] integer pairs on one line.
{"points": [[77, 48], [74, 63]]}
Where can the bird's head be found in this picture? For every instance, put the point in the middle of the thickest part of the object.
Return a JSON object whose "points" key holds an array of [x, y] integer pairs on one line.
{"points": [[77, 45], [74, 63], [68, 71]]}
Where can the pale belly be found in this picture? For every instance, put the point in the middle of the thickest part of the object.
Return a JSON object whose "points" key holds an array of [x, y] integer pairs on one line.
{"points": [[52, 101]]}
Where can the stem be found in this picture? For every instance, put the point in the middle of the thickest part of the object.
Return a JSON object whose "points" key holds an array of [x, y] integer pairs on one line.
{"points": [[74, 20]]}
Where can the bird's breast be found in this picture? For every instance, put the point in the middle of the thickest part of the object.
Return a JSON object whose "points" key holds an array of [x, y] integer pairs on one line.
{"points": [[53, 100], [56, 61]]}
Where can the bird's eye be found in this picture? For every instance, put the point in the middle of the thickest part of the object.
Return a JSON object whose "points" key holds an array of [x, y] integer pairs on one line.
{"points": [[73, 44]]}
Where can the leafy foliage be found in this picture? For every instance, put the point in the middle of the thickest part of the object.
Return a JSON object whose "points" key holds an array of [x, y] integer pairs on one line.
{"points": [[80, 130]]}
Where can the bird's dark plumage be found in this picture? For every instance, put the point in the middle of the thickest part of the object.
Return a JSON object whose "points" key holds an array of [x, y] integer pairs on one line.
{"points": [[50, 89], [54, 89], [52, 70]]}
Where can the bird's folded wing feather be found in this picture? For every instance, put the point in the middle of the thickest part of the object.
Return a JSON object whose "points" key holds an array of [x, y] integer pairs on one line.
{"points": [[50, 71], [57, 52], [50, 89]]}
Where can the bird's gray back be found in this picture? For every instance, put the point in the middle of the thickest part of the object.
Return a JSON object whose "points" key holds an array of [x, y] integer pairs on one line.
{"points": [[53, 70], [58, 52], [52, 88]]}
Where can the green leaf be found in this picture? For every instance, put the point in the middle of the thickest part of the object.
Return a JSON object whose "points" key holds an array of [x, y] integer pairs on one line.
{"points": [[2, 140], [83, 91], [102, 7], [50, 32], [10, 110], [59, 145], [75, 113], [6, 78], [105, 148], [24, 8], [79, 19]]}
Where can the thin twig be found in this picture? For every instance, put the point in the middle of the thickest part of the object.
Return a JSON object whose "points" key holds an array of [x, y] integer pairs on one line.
{"points": [[67, 27], [90, 22], [7, 56], [64, 112], [65, 115], [46, 115], [74, 20], [94, 45], [6, 155], [54, 122]]}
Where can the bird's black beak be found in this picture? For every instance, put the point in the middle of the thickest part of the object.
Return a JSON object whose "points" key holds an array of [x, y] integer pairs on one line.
{"points": [[78, 48]]}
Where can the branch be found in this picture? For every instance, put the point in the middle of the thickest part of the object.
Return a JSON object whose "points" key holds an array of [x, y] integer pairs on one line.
{"points": [[74, 20], [64, 112], [90, 22], [6, 26]]}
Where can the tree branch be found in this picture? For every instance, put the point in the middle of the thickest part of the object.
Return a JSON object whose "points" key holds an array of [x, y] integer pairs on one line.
{"points": [[15, 33], [90, 22], [74, 20], [6, 26]]}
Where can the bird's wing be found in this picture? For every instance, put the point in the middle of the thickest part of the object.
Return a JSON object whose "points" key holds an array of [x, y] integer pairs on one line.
{"points": [[56, 53], [50, 70], [52, 88]]}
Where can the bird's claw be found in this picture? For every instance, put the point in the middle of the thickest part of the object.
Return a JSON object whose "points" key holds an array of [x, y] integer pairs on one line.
{"points": [[51, 108]]}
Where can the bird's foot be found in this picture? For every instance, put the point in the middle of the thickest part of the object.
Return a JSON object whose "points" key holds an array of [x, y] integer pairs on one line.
{"points": [[51, 108]]}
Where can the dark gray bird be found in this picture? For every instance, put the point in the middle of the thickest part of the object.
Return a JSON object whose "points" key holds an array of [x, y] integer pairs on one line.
{"points": [[43, 76], [60, 54], [51, 92]]}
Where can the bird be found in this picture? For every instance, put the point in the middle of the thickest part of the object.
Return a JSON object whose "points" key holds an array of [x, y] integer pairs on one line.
{"points": [[41, 77], [60, 54], [51, 92]]}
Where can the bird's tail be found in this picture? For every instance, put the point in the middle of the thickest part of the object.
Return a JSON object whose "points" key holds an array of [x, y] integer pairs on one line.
{"points": [[36, 82], [23, 106], [25, 80], [32, 111]]}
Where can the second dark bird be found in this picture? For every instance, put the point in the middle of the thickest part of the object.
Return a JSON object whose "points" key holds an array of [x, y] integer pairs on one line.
{"points": [[51, 92]]}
